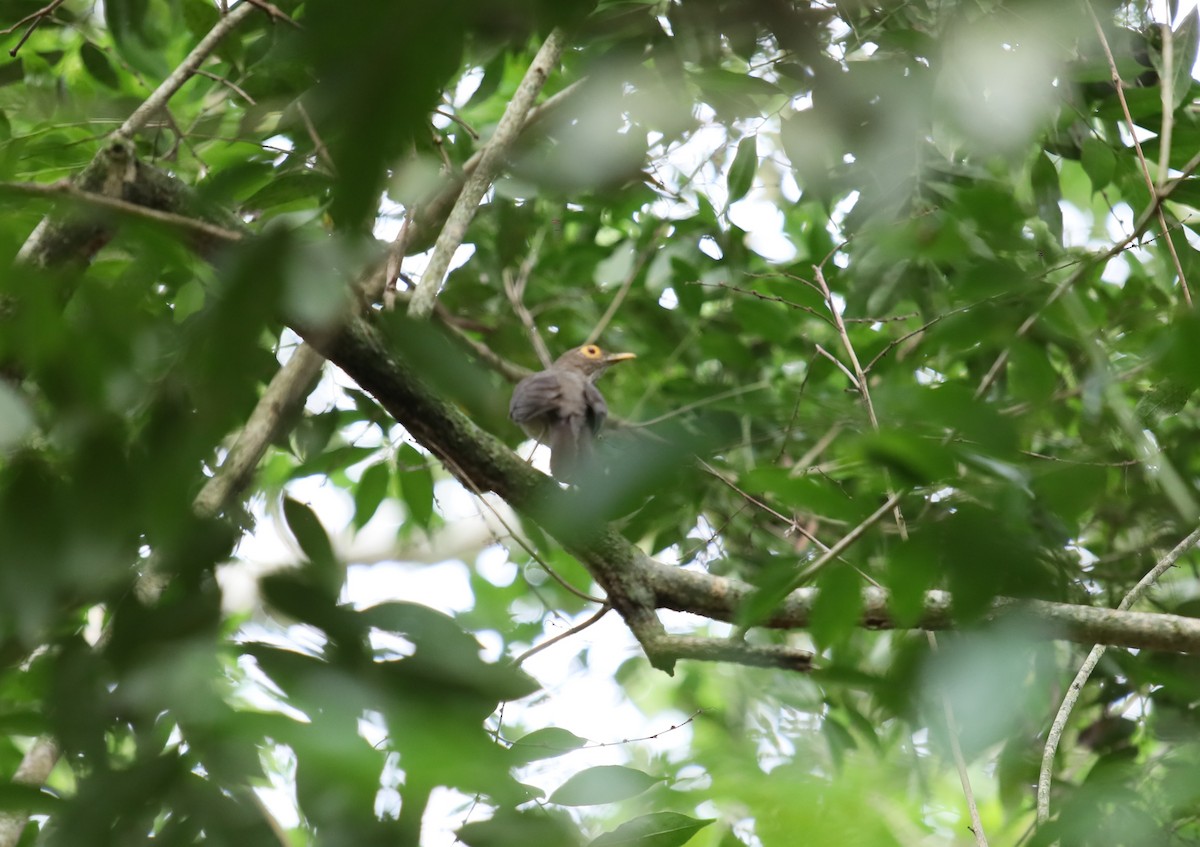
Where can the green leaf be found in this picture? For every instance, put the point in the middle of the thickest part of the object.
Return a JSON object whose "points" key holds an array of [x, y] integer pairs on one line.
{"points": [[603, 784], [915, 459], [138, 35], [369, 493], [836, 610], [98, 66], [521, 829], [416, 484], [1098, 161], [314, 542], [545, 743], [1047, 193], [745, 165], [27, 799], [660, 829], [1186, 43]]}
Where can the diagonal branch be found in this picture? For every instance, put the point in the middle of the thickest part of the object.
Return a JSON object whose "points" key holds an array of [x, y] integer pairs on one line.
{"points": [[1085, 671], [635, 583], [514, 118]]}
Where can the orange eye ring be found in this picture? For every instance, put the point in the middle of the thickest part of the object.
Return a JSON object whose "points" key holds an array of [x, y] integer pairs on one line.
{"points": [[591, 351]]}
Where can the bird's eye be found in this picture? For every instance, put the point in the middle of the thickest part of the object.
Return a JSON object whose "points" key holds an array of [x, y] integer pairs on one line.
{"points": [[591, 351]]}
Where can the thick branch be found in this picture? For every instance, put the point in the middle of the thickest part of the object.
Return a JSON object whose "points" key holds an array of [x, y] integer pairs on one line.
{"points": [[637, 584]]}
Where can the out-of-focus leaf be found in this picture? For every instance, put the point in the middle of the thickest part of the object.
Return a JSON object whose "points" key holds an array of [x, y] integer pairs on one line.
{"points": [[545, 743], [603, 784], [521, 829], [369, 493], [416, 484], [660, 829], [1047, 193], [1099, 162], [306, 528], [741, 172], [836, 610], [97, 65]]}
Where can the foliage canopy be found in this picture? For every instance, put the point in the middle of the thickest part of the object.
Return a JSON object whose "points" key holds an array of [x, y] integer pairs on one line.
{"points": [[896, 274]]}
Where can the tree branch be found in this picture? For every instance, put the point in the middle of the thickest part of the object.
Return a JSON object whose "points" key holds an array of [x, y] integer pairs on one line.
{"points": [[477, 183], [1085, 671], [158, 99], [637, 584]]}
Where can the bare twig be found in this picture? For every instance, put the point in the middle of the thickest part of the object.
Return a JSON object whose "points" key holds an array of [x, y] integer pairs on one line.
{"points": [[716, 398], [455, 229], [626, 284], [32, 16], [232, 86], [276, 13], [838, 363], [514, 288], [770, 298], [315, 137], [1046, 774], [158, 99], [1137, 144], [64, 188], [34, 20], [549, 642], [792, 524], [1084, 267], [846, 540], [960, 762], [860, 382]]}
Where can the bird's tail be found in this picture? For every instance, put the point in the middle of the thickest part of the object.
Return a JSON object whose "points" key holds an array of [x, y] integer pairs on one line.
{"points": [[570, 448]]}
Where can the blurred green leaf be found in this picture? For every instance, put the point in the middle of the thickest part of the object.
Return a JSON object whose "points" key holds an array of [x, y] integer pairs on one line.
{"points": [[545, 743], [416, 484], [660, 829], [745, 165], [602, 784]]}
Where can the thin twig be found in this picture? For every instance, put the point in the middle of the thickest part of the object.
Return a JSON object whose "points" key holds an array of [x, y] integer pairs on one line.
{"points": [[960, 762], [232, 86], [467, 128], [716, 398], [40, 13], [860, 381], [36, 20], [510, 125], [158, 99], [275, 12], [836, 361], [315, 137], [514, 288], [526, 546], [549, 642], [1084, 267], [770, 298], [626, 284], [66, 189], [1046, 774], [1137, 144], [792, 524], [846, 540]]}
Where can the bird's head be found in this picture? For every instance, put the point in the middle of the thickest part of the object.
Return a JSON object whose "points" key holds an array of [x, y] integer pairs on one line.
{"points": [[590, 360]]}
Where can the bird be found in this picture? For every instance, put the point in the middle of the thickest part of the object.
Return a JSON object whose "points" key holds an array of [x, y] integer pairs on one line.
{"points": [[562, 408]]}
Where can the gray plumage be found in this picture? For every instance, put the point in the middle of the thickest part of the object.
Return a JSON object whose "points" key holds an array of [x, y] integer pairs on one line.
{"points": [[562, 408]]}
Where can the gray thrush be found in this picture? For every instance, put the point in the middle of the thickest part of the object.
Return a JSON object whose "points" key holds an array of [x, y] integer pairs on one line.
{"points": [[562, 408]]}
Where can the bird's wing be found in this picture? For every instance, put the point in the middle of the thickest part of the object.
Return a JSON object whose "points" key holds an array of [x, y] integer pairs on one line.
{"points": [[597, 409], [535, 396]]}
